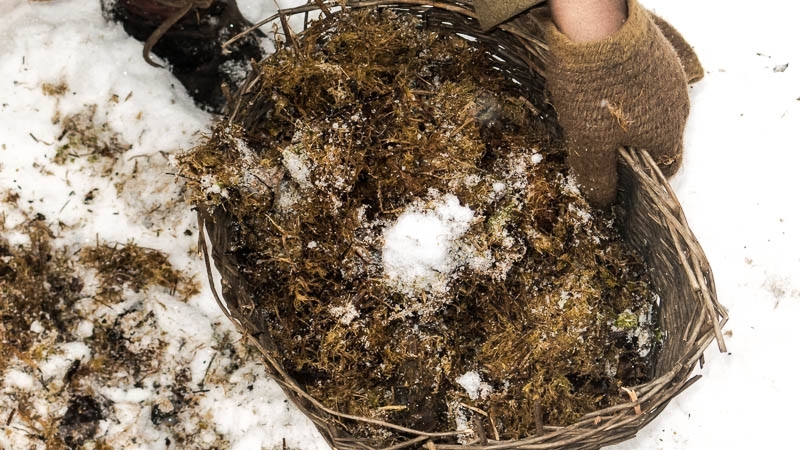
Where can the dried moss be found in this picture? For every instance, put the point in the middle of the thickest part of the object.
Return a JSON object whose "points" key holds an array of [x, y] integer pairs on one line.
{"points": [[43, 300], [336, 137], [55, 89], [83, 136], [133, 267], [35, 271]]}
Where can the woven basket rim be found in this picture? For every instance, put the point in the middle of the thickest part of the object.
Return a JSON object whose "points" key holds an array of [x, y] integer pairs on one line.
{"points": [[599, 428], [646, 400]]}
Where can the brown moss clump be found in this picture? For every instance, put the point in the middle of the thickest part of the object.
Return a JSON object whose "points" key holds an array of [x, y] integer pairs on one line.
{"points": [[368, 117], [83, 136], [38, 289], [41, 287], [55, 89], [44, 298], [133, 267]]}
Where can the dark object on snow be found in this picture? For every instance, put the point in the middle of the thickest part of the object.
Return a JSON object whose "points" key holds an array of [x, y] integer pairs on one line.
{"points": [[80, 422], [188, 35], [689, 313]]}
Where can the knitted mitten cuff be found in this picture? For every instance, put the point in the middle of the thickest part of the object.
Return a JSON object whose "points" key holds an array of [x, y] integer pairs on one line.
{"points": [[628, 89]]}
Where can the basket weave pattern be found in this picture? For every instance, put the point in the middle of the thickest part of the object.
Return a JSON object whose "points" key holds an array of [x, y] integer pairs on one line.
{"points": [[689, 312]]}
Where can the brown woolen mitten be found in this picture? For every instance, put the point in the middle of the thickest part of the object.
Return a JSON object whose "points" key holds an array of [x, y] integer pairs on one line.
{"points": [[689, 60], [625, 90], [493, 13]]}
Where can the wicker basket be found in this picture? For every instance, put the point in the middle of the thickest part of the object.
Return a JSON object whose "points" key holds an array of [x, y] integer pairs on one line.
{"points": [[689, 312]]}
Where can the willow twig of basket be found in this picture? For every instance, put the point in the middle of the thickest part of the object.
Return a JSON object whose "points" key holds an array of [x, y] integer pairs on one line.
{"points": [[689, 312]]}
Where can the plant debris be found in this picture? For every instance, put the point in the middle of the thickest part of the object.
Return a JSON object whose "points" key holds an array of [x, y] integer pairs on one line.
{"points": [[85, 364], [73, 331], [82, 136], [133, 267], [409, 238], [36, 271]]}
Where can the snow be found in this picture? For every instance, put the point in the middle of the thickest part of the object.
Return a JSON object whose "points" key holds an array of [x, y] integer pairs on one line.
{"points": [[17, 380], [473, 385], [298, 165], [738, 186], [420, 250], [69, 43], [346, 313]]}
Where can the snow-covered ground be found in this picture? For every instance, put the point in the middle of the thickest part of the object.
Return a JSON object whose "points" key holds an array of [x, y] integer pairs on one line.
{"points": [[737, 187]]}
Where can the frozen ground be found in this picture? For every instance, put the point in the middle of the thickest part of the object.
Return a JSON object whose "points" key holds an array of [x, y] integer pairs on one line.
{"points": [[736, 187]]}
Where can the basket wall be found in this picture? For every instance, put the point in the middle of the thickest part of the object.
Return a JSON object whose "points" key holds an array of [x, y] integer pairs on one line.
{"points": [[689, 313]]}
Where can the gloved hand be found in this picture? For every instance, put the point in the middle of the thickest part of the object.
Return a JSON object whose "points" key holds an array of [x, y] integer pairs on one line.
{"points": [[629, 89], [493, 13]]}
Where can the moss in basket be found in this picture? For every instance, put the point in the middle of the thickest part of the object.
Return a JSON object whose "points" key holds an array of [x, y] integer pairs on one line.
{"points": [[371, 122]]}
